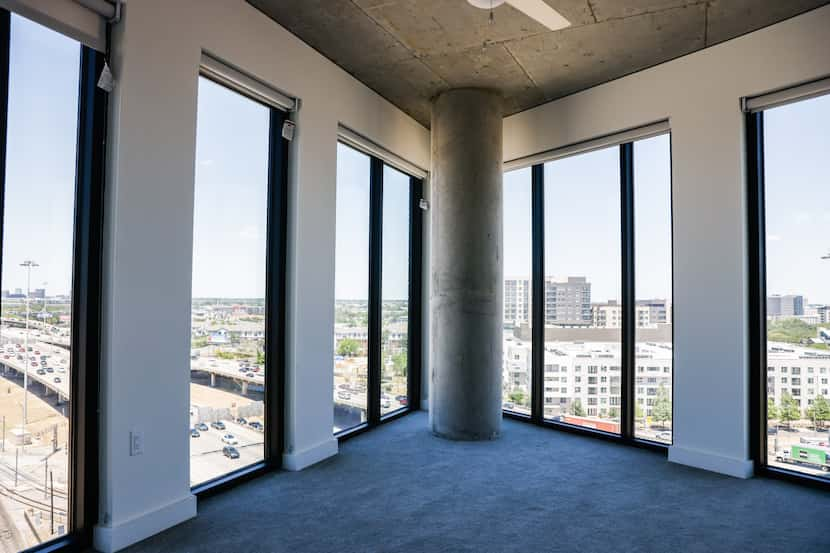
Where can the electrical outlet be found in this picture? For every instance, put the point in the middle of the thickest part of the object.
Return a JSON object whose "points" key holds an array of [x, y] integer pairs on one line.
{"points": [[136, 443]]}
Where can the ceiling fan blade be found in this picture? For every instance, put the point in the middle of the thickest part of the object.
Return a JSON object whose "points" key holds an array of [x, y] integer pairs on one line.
{"points": [[541, 12]]}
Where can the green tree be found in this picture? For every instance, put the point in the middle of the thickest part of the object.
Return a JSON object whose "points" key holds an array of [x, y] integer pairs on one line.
{"points": [[661, 411], [772, 409], [399, 362], [348, 347], [788, 410], [613, 413], [576, 409], [819, 411], [517, 397]]}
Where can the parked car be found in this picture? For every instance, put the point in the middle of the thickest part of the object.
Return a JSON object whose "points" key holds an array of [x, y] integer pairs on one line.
{"points": [[202, 427], [241, 420], [664, 436], [218, 425], [61, 370], [230, 452], [194, 433], [41, 372], [255, 425], [344, 395], [230, 439], [57, 380]]}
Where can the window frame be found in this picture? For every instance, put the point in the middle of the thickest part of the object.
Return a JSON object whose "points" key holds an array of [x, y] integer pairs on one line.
{"points": [[374, 416], [87, 275], [625, 144], [757, 305], [276, 245]]}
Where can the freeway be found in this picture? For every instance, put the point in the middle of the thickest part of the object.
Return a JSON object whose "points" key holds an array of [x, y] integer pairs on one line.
{"points": [[228, 369], [56, 381]]}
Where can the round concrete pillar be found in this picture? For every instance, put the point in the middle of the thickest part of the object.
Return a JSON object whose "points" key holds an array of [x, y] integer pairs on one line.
{"points": [[466, 296]]}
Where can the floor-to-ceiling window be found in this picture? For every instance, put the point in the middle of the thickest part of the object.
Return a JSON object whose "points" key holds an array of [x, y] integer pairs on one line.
{"points": [[377, 291], [518, 294], [593, 226], [791, 198], [236, 296], [50, 201], [653, 283], [351, 289], [583, 308]]}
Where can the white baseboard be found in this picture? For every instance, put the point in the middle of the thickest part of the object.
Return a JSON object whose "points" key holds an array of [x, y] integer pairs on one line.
{"points": [[108, 539], [739, 468], [298, 460]]}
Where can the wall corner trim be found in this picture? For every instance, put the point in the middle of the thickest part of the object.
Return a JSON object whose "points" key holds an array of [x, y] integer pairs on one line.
{"points": [[738, 468], [109, 539], [300, 460]]}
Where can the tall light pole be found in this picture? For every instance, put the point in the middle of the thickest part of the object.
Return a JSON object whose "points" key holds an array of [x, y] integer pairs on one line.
{"points": [[28, 264]]}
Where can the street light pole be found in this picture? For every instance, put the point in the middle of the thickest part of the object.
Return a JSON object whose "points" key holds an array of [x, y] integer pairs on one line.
{"points": [[28, 264]]}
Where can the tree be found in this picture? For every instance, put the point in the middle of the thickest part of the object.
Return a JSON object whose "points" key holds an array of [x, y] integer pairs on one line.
{"points": [[613, 413], [399, 362], [638, 413], [789, 409], [576, 409], [517, 397], [772, 409], [661, 411], [819, 411], [348, 347]]}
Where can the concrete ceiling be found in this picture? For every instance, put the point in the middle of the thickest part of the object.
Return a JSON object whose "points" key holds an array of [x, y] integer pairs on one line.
{"points": [[411, 50]]}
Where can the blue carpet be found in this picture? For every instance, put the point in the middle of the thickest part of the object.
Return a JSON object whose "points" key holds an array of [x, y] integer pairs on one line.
{"points": [[398, 488]]}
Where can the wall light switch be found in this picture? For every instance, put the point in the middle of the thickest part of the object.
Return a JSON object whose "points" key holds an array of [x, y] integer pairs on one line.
{"points": [[136, 443]]}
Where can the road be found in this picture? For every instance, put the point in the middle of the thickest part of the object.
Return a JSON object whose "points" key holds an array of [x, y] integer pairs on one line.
{"points": [[206, 458]]}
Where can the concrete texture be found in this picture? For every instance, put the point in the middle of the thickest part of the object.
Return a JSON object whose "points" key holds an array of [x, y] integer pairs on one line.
{"points": [[398, 488], [410, 51], [466, 294]]}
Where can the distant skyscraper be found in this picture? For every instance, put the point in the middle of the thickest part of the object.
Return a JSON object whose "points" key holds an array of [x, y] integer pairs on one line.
{"points": [[785, 306], [568, 303]]}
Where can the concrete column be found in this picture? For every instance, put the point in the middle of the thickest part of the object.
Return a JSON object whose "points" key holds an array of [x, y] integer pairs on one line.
{"points": [[212, 380], [466, 297]]}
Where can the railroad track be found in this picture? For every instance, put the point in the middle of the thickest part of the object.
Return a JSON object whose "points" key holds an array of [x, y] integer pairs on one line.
{"points": [[29, 502], [32, 481]]}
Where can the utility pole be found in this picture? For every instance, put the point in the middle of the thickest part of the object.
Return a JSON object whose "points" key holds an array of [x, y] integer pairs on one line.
{"points": [[16, 452], [52, 506], [28, 264], [3, 446]]}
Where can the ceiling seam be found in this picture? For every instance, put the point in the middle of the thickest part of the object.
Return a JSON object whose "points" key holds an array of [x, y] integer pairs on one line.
{"points": [[524, 70]]}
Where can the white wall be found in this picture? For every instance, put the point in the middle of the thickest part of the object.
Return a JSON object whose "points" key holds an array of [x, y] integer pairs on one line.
{"points": [[699, 94], [149, 233]]}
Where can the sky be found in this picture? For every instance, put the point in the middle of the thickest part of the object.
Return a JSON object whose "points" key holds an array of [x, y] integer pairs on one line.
{"points": [[231, 194], [797, 179], [40, 168]]}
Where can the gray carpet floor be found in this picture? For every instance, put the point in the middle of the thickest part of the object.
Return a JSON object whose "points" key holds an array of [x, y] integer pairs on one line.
{"points": [[398, 488]]}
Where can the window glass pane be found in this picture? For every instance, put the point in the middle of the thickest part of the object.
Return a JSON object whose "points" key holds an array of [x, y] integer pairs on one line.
{"points": [[351, 289], [582, 290], [796, 143], [518, 268], [395, 291], [37, 284], [653, 275], [227, 365]]}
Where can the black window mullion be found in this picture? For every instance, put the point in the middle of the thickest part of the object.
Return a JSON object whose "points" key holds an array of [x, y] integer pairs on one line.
{"points": [[757, 288], [537, 315], [86, 296], [629, 319], [415, 321], [5, 48], [375, 275], [275, 267]]}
